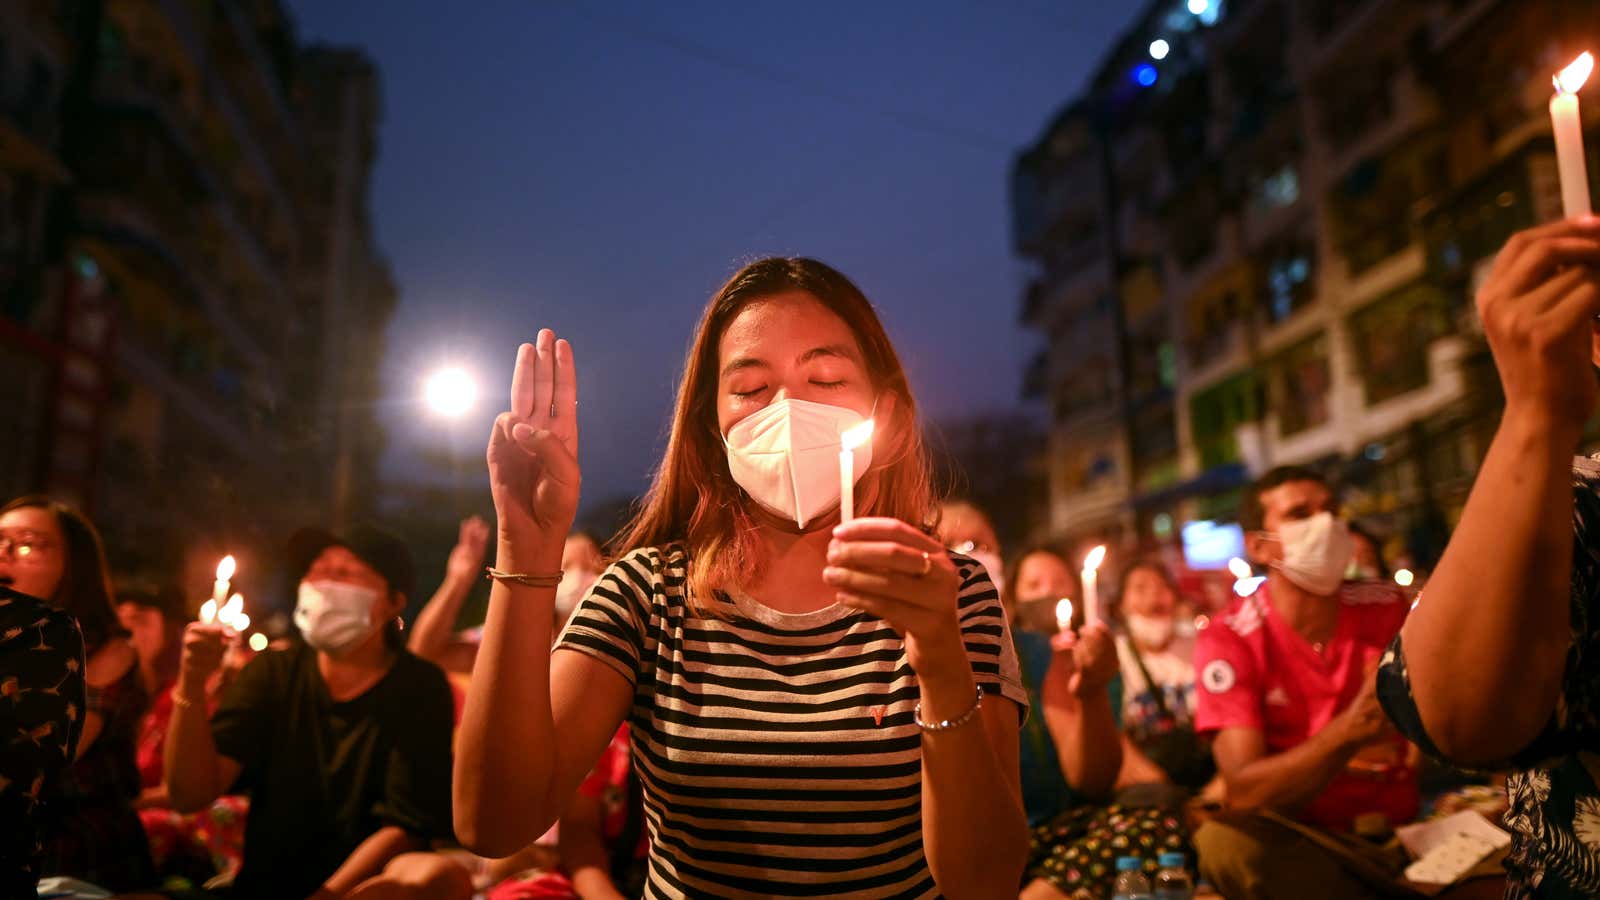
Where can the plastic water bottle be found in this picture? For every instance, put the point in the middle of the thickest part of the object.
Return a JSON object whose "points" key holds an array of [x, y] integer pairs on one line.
{"points": [[1172, 882], [1131, 883]]}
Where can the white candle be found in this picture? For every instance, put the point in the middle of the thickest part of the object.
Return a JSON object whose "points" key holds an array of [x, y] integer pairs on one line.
{"points": [[848, 442], [219, 588], [1091, 584], [1064, 614], [1567, 123], [231, 611], [208, 612]]}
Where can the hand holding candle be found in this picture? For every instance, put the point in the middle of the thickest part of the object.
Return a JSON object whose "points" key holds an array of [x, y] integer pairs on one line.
{"points": [[849, 441], [1566, 121], [1091, 584]]}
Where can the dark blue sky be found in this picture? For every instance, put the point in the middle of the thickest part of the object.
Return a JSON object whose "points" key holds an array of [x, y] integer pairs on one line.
{"points": [[601, 169]]}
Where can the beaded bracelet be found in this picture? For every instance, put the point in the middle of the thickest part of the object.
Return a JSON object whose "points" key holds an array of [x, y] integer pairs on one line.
{"points": [[947, 724], [534, 581]]}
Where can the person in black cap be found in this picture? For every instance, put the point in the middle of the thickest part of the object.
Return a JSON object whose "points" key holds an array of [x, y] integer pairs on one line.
{"points": [[342, 743]]}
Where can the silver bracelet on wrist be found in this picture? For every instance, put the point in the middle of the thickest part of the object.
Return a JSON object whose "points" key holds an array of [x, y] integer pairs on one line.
{"points": [[948, 724]]}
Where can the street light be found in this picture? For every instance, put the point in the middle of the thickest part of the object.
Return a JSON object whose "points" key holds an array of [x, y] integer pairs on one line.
{"points": [[450, 392]]}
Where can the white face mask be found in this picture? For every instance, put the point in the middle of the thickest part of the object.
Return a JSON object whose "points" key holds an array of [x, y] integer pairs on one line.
{"points": [[334, 617], [786, 457], [1154, 632], [1316, 552]]}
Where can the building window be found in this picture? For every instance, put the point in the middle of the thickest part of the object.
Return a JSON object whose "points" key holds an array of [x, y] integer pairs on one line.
{"points": [[1288, 286], [1392, 337], [1279, 189], [1301, 382], [1216, 412]]}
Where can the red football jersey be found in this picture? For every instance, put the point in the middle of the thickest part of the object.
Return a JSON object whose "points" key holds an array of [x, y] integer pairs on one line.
{"points": [[1254, 671]]}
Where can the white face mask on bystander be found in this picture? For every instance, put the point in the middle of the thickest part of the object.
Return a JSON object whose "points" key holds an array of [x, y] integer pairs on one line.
{"points": [[1315, 552], [333, 616]]}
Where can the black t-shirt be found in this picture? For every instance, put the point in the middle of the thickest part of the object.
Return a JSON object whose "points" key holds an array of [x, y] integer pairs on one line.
{"points": [[324, 776], [41, 718]]}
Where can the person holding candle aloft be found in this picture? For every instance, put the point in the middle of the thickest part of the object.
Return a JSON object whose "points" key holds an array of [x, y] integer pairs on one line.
{"points": [[342, 743], [57, 556], [814, 709], [1496, 668]]}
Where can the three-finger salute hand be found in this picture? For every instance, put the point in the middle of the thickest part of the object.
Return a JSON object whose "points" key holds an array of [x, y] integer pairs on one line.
{"points": [[533, 450]]}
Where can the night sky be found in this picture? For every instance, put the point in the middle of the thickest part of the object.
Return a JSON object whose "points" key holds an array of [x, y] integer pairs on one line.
{"points": [[602, 169]]}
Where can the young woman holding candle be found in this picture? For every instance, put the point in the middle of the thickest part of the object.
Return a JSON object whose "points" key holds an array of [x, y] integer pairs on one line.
{"points": [[55, 554], [814, 709]]}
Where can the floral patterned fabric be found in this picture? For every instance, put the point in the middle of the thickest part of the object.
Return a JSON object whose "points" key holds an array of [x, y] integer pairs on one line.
{"points": [[1554, 795], [42, 699], [1077, 851]]}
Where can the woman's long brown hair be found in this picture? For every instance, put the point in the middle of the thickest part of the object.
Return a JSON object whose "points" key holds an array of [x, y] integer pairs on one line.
{"points": [[694, 498], [85, 589]]}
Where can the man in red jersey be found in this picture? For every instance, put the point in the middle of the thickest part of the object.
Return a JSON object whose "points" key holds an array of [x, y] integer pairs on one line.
{"points": [[1286, 686]]}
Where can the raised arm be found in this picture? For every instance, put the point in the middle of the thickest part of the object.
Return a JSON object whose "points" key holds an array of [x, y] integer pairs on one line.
{"points": [[512, 773], [1077, 710], [436, 623], [194, 772], [1487, 645]]}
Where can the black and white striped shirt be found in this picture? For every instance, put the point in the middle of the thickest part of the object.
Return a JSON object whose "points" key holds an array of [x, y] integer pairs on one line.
{"points": [[778, 752]]}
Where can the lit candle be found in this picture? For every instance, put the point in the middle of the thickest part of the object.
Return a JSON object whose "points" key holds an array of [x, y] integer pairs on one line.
{"points": [[851, 439], [1568, 126], [1091, 585], [231, 611], [219, 588], [208, 611], [1064, 614]]}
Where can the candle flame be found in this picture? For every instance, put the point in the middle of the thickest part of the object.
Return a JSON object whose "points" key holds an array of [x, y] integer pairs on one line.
{"points": [[1405, 577], [1239, 568], [1570, 79], [208, 611], [1096, 556], [1064, 612], [855, 437], [231, 610], [226, 568], [241, 622], [258, 642]]}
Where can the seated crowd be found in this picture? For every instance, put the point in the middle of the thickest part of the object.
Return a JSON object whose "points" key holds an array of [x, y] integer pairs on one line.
{"points": [[318, 768], [689, 720]]}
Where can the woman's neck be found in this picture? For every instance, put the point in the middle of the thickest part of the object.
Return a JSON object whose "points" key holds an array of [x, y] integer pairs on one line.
{"points": [[791, 579]]}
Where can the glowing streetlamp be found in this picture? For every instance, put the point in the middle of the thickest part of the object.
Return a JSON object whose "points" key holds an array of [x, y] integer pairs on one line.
{"points": [[450, 392]]}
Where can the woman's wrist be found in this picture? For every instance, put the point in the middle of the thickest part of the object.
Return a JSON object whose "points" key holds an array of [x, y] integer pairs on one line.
{"points": [[528, 556], [944, 676]]}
